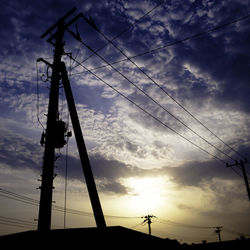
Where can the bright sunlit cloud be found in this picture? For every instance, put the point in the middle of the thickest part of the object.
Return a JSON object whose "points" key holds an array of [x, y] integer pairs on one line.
{"points": [[148, 194]]}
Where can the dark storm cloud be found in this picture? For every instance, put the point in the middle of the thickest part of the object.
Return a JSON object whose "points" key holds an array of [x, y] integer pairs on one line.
{"points": [[107, 172], [196, 173], [18, 152], [192, 174]]}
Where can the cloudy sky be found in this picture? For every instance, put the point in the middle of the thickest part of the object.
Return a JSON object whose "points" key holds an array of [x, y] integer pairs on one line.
{"points": [[159, 142]]}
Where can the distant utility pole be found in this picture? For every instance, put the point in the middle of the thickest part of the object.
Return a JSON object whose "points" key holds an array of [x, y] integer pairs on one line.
{"points": [[54, 136], [218, 230], [242, 165], [147, 219]]}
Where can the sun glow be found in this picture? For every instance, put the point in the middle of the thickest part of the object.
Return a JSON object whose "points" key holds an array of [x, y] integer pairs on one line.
{"points": [[147, 194]]}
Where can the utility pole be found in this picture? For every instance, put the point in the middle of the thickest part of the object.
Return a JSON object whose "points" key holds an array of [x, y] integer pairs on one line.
{"points": [[56, 130], [242, 165], [218, 230], [51, 135], [147, 219], [44, 219]]}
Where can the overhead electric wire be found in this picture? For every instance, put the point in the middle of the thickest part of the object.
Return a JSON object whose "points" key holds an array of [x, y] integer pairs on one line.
{"points": [[10, 221], [149, 114], [24, 223], [125, 30], [21, 198], [214, 29], [148, 96], [17, 197], [169, 222], [159, 86], [173, 223], [234, 232], [150, 78], [17, 222], [14, 196]]}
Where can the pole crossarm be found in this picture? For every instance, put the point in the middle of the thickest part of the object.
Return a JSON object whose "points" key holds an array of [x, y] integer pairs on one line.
{"points": [[148, 220], [57, 23]]}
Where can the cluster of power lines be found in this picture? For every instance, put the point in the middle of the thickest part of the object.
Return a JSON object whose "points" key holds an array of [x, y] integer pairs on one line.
{"points": [[158, 85], [30, 201], [10, 221]]}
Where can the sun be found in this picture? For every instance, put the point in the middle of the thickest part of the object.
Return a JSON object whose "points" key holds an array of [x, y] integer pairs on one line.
{"points": [[147, 194]]}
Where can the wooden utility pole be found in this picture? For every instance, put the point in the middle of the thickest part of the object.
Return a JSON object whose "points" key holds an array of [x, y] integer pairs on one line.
{"points": [[54, 137], [44, 218], [242, 165]]}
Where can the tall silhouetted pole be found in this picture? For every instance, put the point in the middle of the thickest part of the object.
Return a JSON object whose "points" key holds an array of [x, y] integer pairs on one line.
{"points": [[147, 219], [44, 218], [218, 230], [56, 130]]}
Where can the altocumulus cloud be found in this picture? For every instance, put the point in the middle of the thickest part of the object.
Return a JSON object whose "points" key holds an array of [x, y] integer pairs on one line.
{"points": [[208, 75]]}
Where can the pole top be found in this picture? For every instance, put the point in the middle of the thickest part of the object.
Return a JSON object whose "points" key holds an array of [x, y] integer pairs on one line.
{"points": [[58, 22]]}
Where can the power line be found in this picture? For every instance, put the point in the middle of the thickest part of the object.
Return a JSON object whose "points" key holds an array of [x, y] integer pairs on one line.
{"points": [[150, 78], [25, 223], [234, 232], [14, 196], [17, 197], [155, 118], [173, 223], [159, 86], [148, 96], [169, 222], [174, 42], [125, 30], [10, 221], [21, 198], [149, 114], [16, 222]]}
